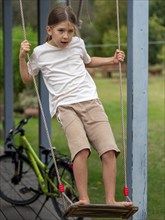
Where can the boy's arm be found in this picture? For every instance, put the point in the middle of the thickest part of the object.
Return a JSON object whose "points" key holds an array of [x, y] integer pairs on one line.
{"points": [[24, 49], [102, 61], [26, 77]]}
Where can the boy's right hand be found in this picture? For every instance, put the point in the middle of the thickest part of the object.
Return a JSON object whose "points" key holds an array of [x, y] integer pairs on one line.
{"points": [[24, 49]]}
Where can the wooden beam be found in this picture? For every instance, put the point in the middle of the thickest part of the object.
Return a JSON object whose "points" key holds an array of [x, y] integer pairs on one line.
{"points": [[137, 93], [8, 67], [43, 12]]}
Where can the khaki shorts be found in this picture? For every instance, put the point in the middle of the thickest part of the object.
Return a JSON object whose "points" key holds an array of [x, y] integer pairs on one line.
{"points": [[86, 123]]}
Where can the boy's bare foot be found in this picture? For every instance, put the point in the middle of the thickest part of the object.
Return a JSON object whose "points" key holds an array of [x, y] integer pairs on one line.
{"points": [[82, 202], [124, 203]]}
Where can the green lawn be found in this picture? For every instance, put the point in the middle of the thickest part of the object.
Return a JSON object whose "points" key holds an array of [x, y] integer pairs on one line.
{"points": [[108, 90]]}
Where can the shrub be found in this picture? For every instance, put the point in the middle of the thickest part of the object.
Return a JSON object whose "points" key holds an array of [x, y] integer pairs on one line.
{"points": [[26, 99]]}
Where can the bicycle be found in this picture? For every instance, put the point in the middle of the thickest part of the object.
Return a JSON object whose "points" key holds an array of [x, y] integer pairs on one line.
{"points": [[24, 177]]}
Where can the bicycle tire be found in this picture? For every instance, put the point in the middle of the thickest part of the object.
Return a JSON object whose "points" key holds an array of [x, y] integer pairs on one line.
{"points": [[15, 188], [66, 173]]}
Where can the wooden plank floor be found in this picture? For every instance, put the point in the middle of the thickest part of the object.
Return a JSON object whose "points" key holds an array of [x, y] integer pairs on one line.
{"points": [[29, 212]]}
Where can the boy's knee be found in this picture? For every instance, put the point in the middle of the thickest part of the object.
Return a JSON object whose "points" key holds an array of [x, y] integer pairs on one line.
{"points": [[84, 154], [108, 155]]}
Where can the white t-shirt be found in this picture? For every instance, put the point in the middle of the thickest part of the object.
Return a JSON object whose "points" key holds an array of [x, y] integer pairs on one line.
{"points": [[64, 73]]}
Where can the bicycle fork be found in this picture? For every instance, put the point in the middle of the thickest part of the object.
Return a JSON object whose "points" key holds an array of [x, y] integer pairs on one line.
{"points": [[17, 169]]}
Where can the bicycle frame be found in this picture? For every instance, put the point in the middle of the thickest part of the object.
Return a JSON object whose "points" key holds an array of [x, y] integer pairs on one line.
{"points": [[38, 165]]}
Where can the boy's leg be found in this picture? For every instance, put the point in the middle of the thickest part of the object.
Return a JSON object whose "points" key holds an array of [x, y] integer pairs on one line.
{"points": [[109, 178], [79, 146], [81, 176], [109, 175]]}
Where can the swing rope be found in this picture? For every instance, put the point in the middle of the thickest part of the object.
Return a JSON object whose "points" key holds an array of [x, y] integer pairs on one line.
{"points": [[60, 185], [126, 191]]}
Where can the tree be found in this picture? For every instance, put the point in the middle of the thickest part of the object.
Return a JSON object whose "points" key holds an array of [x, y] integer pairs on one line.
{"points": [[111, 37], [156, 30], [104, 20], [103, 28], [157, 8]]}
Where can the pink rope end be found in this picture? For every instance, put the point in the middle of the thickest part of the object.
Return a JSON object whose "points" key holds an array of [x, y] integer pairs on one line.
{"points": [[126, 191], [61, 188]]}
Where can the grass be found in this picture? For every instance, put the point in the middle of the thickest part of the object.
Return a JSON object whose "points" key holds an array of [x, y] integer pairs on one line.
{"points": [[156, 149], [108, 90]]}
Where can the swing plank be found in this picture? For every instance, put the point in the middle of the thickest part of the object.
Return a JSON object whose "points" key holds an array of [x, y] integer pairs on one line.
{"points": [[100, 210]]}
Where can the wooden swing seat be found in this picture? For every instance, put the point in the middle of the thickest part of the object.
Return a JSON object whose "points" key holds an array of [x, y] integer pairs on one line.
{"points": [[100, 210]]}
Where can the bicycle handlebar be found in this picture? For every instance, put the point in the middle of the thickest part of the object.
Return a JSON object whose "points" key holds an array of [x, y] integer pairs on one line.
{"points": [[18, 129], [22, 123]]}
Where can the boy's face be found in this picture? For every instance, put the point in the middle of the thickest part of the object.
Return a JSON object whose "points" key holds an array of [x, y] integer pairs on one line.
{"points": [[61, 34]]}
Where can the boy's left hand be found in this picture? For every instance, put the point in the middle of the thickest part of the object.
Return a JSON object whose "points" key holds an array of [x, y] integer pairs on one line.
{"points": [[118, 56]]}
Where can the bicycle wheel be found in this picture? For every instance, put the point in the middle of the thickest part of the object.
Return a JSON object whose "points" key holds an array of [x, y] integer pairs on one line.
{"points": [[18, 182], [67, 178]]}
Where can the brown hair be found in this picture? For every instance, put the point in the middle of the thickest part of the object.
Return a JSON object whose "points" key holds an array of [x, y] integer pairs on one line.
{"points": [[61, 14]]}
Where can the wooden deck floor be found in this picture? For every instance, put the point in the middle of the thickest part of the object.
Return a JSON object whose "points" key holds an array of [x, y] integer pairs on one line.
{"points": [[10, 212]]}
